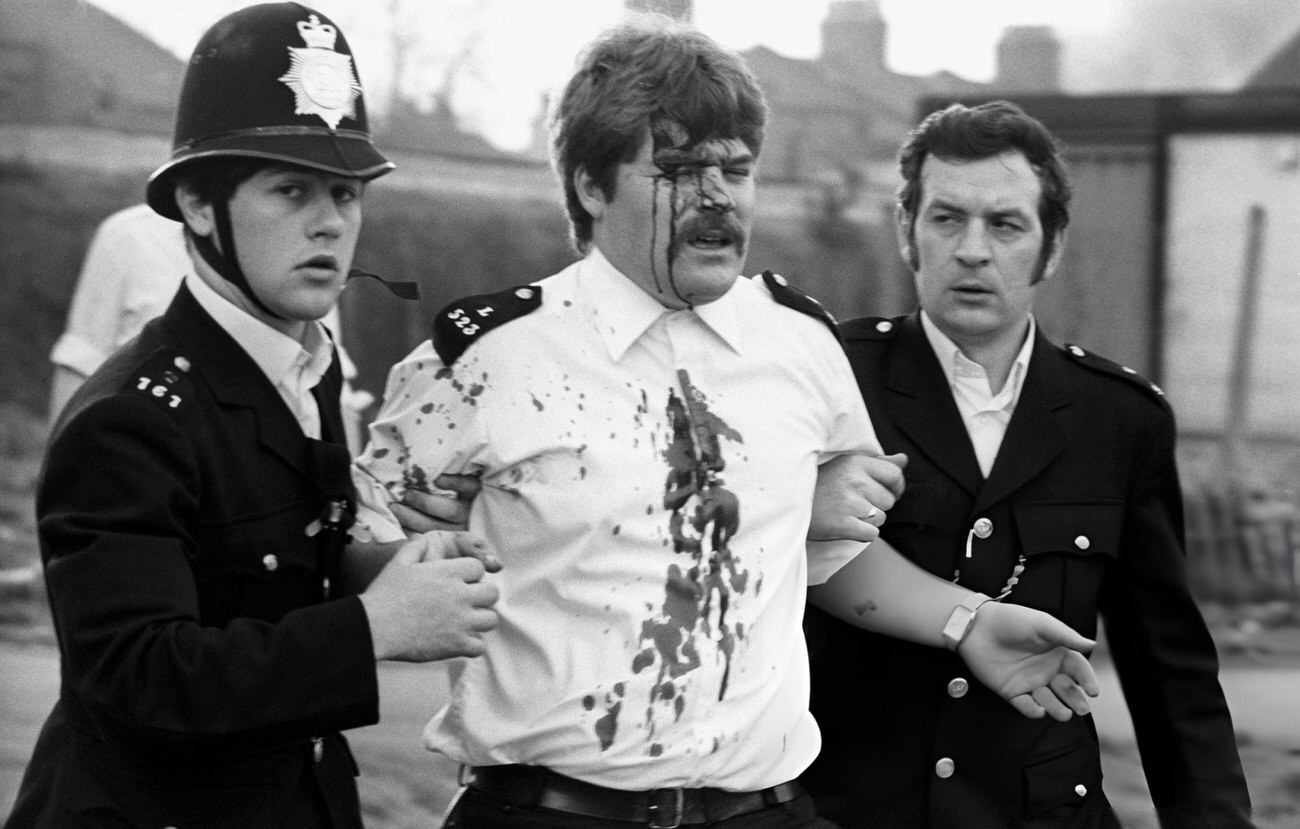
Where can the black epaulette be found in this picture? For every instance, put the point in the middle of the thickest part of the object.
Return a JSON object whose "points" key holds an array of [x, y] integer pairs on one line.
{"points": [[163, 376], [791, 297], [462, 322], [1100, 364], [870, 328]]}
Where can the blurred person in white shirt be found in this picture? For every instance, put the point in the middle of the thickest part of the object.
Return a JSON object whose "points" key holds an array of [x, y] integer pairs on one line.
{"points": [[132, 268]]}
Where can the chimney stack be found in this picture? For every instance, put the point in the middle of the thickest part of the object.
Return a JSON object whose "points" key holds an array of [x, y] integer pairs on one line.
{"points": [[853, 38], [1029, 60], [679, 9]]}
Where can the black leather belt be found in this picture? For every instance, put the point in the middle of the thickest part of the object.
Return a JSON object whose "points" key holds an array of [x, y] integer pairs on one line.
{"points": [[658, 809]]}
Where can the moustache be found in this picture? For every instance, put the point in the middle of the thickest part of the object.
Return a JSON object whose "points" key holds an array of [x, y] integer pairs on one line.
{"points": [[722, 226]]}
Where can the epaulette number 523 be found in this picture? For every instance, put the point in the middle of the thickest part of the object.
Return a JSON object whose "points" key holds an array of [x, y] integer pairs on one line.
{"points": [[465, 322]]}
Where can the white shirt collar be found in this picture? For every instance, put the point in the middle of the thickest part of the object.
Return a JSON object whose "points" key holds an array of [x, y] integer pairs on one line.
{"points": [[955, 363], [277, 354], [722, 315], [623, 311]]}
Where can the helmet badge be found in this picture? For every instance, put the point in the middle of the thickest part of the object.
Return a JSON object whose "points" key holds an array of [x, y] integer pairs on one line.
{"points": [[322, 79]]}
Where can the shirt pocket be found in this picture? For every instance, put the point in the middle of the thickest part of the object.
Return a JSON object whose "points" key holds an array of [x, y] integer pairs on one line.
{"points": [[924, 524], [1069, 546], [1062, 783], [261, 565], [1080, 528], [925, 506]]}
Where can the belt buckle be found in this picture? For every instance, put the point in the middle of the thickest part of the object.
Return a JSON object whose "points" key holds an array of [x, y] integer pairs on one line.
{"points": [[658, 804]]}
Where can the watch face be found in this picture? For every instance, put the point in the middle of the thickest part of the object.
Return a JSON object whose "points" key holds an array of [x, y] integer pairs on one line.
{"points": [[960, 621], [958, 624]]}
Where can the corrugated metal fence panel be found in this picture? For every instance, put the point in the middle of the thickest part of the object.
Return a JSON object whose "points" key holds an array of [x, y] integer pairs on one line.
{"points": [[1101, 296]]}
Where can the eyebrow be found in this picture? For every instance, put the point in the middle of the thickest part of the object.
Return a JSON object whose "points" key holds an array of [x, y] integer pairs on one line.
{"points": [[724, 159], [695, 157], [951, 207], [745, 157]]}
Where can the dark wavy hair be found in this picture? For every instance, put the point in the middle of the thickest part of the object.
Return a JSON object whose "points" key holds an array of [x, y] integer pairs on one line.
{"points": [[649, 72], [960, 132]]}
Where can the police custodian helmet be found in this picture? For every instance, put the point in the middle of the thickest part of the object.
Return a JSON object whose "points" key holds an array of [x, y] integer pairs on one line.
{"points": [[274, 81]]}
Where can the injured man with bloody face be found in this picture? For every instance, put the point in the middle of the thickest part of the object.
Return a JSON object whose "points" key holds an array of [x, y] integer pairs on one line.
{"points": [[649, 427]]}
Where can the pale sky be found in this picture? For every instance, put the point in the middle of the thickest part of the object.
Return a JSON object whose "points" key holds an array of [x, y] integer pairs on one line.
{"points": [[518, 49]]}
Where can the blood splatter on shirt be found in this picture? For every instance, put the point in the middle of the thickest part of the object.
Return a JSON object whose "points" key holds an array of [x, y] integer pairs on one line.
{"points": [[647, 477]]}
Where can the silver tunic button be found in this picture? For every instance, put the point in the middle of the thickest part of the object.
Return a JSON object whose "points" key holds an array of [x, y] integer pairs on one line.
{"points": [[957, 687], [983, 528], [317, 748], [181, 363], [1076, 351], [524, 293], [1082, 542], [945, 767], [780, 280], [884, 326], [270, 562], [1081, 790]]}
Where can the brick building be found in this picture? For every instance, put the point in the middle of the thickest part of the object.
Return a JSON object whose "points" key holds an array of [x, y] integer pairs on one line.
{"points": [[846, 109]]}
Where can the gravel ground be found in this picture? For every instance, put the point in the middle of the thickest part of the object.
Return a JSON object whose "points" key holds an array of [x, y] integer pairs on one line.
{"points": [[404, 787]]}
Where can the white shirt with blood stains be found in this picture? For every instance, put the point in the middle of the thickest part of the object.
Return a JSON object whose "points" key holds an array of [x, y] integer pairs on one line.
{"points": [[651, 628]]}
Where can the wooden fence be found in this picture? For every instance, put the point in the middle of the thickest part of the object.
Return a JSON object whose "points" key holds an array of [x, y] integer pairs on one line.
{"points": [[1241, 548]]}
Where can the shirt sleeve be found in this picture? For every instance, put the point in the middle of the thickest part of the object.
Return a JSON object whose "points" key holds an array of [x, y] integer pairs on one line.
{"points": [[131, 270], [849, 429], [429, 423], [98, 304]]}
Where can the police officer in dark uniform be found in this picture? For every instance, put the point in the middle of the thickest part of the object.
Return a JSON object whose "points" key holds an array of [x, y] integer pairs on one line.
{"points": [[195, 499], [1037, 475]]}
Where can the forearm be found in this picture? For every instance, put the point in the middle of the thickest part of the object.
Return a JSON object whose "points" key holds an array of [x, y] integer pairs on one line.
{"points": [[1027, 657], [883, 592], [62, 385]]}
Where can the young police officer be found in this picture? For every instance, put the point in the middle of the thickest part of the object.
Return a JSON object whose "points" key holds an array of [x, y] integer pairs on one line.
{"points": [[195, 499]]}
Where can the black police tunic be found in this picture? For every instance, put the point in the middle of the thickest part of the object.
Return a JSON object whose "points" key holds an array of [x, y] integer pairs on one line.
{"points": [[188, 530], [1084, 498]]}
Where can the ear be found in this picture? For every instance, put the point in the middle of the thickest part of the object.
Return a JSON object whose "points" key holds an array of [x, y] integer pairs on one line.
{"points": [[902, 235], [1049, 267], [590, 195], [196, 212]]}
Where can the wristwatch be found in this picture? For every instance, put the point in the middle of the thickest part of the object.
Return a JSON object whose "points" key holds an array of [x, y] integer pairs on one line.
{"points": [[963, 616]]}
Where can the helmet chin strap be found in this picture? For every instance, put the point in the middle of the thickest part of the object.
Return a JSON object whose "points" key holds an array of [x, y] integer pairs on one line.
{"points": [[405, 290], [226, 264]]}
